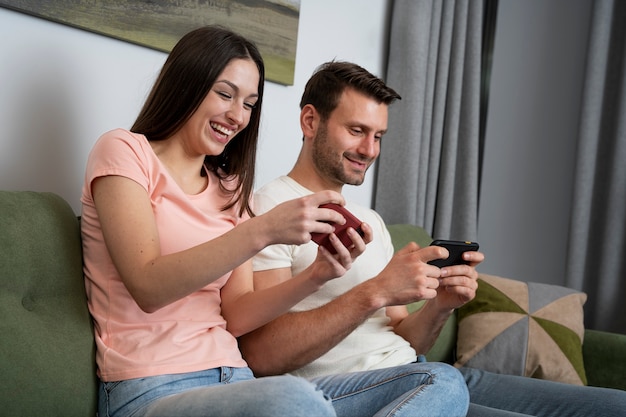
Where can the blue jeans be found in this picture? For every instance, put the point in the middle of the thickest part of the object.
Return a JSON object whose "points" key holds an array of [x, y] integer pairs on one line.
{"points": [[219, 392], [418, 389], [507, 396]]}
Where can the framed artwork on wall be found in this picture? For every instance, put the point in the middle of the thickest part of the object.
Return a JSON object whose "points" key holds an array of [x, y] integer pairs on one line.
{"points": [[159, 24]]}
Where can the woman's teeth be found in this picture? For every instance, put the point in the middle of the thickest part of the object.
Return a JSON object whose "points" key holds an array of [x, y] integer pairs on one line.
{"points": [[222, 129]]}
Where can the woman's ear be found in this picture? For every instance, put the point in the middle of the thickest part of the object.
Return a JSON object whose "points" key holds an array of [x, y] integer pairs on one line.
{"points": [[309, 121]]}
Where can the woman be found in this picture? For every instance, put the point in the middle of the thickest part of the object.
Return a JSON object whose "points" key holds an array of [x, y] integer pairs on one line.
{"points": [[168, 233]]}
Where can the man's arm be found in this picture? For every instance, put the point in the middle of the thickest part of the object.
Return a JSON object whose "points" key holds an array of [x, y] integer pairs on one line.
{"points": [[295, 339], [421, 328], [457, 286]]}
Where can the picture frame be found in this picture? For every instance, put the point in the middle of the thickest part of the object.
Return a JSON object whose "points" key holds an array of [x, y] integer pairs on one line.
{"points": [[158, 24]]}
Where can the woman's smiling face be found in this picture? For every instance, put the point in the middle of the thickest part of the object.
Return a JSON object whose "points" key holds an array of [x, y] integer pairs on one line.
{"points": [[225, 111]]}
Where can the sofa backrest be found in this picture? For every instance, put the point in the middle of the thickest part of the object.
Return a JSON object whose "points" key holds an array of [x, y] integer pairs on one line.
{"points": [[47, 363]]}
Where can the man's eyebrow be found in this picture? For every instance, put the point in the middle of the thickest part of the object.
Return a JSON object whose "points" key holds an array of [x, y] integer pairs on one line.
{"points": [[234, 87]]}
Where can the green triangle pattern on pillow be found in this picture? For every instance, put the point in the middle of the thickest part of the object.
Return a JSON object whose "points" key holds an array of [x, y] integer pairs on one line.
{"points": [[568, 341], [490, 299], [497, 333]]}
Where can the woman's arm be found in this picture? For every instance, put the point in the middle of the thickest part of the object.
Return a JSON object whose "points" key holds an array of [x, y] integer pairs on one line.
{"points": [[156, 280], [246, 308]]}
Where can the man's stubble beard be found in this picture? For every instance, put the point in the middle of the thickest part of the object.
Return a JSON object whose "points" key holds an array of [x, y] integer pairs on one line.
{"points": [[327, 164]]}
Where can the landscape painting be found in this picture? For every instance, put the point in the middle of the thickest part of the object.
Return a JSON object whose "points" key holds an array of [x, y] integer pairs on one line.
{"points": [[159, 24]]}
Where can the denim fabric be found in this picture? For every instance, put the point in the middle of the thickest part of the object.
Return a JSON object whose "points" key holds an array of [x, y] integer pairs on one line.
{"points": [[216, 392], [508, 396], [416, 389]]}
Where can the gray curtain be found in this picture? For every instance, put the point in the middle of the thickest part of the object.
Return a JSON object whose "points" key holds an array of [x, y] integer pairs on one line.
{"points": [[597, 243], [428, 172]]}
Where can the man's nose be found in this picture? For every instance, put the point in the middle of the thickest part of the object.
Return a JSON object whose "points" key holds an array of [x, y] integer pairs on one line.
{"points": [[369, 146]]}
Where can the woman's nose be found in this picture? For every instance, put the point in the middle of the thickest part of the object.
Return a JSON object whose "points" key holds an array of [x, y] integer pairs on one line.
{"points": [[235, 113]]}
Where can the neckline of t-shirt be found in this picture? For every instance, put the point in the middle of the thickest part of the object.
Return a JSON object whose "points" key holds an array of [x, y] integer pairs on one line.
{"points": [[171, 178]]}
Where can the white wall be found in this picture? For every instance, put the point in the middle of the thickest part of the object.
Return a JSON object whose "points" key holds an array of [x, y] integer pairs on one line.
{"points": [[61, 88]]}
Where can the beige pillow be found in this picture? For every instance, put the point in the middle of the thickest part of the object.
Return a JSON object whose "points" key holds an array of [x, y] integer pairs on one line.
{"points": [[519, 328]]}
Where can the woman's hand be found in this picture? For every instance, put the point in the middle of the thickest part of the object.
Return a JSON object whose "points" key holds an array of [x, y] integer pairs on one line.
{"points": [[293, 221], [247, 307]]}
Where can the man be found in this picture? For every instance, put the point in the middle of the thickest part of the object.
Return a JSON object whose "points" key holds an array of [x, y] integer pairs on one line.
{"points": [[359, 322]]}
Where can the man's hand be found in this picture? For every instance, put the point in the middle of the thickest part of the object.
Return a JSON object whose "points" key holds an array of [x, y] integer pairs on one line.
{"points": [[457, 283], [407, 277], [456, 286], [328, 266]]}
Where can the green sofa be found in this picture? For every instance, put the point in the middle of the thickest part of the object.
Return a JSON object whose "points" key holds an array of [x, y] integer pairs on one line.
{"points": [[47, 358]]}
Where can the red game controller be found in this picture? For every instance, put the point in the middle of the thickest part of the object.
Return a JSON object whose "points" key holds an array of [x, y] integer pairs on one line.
{"points": [[341, 231]]}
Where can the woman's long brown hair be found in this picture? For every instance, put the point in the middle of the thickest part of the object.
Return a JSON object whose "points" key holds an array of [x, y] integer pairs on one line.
{"points": [[186, 78]]}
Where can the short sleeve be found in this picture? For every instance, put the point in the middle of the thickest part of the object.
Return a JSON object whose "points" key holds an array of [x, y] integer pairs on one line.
{"points": [[119, 152]]}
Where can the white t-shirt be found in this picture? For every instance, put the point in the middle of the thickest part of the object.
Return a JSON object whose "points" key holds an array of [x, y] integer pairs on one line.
{"points": [[373, 345]]}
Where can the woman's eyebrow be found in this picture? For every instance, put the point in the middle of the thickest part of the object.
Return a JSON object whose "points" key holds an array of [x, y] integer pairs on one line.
{"points": [[234, 87]]}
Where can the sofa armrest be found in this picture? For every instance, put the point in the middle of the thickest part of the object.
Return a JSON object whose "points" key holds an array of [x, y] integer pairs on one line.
{"points": [[47, 351], [604, 355]]}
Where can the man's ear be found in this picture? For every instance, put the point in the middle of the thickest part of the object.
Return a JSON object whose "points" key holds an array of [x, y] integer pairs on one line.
{"points": [[309, 121]]}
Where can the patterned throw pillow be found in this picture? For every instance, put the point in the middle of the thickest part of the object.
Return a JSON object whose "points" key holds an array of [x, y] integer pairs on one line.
{"points": [[519, 328]]}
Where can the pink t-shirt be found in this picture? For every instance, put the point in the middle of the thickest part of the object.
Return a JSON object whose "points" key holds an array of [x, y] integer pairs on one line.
{"points": [[186, 336]]}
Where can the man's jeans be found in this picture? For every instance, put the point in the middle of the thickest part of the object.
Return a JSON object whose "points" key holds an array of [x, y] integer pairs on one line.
{"points": [[418, 389], [220, 392], [498, 395]]}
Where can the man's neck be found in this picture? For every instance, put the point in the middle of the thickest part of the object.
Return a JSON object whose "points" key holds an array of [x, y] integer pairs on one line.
{"points": [[310, 179]]}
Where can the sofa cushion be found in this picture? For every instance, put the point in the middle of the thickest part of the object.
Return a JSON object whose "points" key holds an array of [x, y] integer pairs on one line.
{"points": [[47, 357], [519, 328], [402, 234]]}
